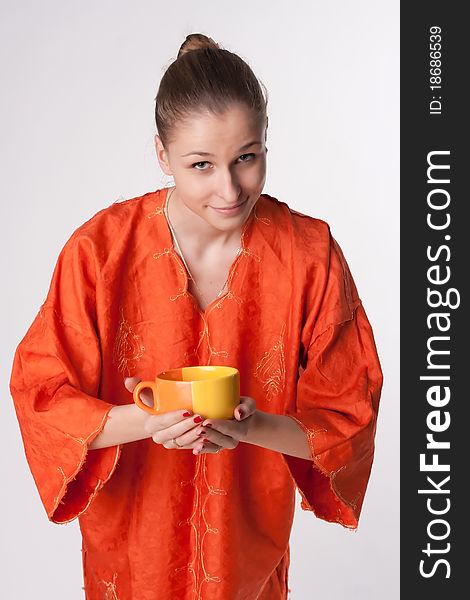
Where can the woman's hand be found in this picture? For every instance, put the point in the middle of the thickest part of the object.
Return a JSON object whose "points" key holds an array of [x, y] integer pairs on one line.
{"points": [[185, 430], [227, 433], [189, 433]]}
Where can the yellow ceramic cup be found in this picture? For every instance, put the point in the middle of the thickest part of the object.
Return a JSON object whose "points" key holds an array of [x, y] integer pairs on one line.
{"points": [[210, 391]]}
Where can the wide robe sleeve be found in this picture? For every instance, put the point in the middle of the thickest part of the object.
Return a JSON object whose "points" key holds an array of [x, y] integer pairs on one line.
{"points": [[338, 392], [54, 384]]}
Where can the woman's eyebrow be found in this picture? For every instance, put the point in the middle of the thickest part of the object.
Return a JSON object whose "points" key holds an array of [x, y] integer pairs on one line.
{"points": [[200, 153]]}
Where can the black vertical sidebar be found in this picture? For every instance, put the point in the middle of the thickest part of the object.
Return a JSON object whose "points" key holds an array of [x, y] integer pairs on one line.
{"points": [[435, 269]]}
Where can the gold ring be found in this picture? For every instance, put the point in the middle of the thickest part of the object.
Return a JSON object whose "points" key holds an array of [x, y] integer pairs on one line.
{"points": [[175, 443]]}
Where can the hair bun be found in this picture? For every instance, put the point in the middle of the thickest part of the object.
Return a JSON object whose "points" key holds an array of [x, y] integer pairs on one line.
{"points": [[196, 41]]}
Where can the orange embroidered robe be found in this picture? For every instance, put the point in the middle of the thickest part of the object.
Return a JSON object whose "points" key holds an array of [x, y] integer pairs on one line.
{"points": [[161, 524]]}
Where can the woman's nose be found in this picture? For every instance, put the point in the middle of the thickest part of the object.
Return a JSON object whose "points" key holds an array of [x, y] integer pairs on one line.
{"points": [[229, 189]]}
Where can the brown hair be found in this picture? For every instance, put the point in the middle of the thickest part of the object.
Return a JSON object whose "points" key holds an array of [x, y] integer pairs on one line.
{"points": [[205, 78]]}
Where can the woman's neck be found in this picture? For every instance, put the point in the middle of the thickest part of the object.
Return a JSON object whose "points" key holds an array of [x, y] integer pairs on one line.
{"points": [[195, 231]]}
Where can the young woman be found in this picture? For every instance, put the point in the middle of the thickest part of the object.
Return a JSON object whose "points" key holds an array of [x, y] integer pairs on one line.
{"points": [[209, 271]]}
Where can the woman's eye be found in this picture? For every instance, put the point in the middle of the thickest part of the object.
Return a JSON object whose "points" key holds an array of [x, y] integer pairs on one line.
{"points": [[200, 163], [204, 162]]}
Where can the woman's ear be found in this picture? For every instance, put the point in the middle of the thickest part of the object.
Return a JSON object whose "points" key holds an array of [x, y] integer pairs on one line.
{"points": [[162, 156]]}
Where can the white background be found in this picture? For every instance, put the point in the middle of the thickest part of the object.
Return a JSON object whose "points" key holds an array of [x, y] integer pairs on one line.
{"points": [[78, 83]]}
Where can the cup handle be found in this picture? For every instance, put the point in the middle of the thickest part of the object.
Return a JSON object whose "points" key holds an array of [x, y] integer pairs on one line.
{"points": [[142, 385]]}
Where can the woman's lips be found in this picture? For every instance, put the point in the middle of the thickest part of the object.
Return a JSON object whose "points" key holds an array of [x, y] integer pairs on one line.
{"points": [[230, 211]]}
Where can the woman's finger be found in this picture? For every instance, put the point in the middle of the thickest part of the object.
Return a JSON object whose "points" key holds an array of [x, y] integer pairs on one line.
{"points": [[186, 438], [220, 439], [207, 448], [130, 383], [169, 445], [192, 439], [145, 395], [186, 431], [245, 409]]}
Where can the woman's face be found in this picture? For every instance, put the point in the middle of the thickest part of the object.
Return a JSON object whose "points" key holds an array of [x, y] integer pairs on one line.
{"points": [[217, 162]]}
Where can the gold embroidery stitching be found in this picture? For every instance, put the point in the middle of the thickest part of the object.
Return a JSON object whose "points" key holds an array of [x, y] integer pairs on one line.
{"points": [[271, 370], [155, 213], [79, 440], [206, 334], [264, 220], [305, 504], [351, 503], [127, 348], [64, 484], [247, 252], [197, 562], [111, 593], [170, 252], [311, 434], [159, 254], [229, 296], [83, 443], [176, 296]]}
